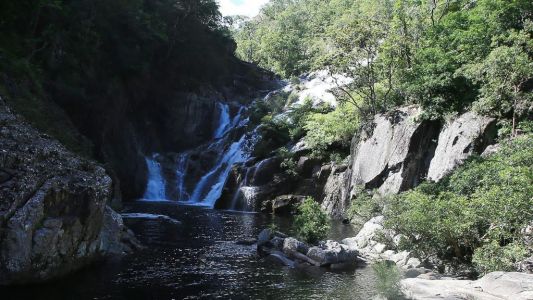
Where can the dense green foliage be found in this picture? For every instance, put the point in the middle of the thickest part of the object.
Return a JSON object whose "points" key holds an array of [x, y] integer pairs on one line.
{"points": [[331, 133], [97, 60], [446, 55], [311, 223], [477, 213]]}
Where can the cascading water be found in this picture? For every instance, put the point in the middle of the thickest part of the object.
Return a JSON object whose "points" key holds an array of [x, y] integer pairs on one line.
{"points": [[224, 122], [181, 172], [210, 186], [155, 189]]}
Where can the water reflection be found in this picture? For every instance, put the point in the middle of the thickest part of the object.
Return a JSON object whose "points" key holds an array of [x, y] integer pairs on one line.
{"points": [[199, 259]]}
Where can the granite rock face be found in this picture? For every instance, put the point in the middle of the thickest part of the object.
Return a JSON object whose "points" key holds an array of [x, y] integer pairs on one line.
{"points": [[466, 135], [393, 158], [496, 285], [53, 207]]}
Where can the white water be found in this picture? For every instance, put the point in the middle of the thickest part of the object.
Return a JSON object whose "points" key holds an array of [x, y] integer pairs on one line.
{"points": [[206, 195], [181, 172], [224, 120], [155, 189], [209, 188]]}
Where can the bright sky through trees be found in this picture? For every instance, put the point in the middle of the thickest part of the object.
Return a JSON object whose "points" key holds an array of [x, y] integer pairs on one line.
{"points": [[248, 8]]}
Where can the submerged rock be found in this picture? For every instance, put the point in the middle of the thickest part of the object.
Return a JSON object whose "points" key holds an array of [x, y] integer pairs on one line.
{"points": [[53, 213]]}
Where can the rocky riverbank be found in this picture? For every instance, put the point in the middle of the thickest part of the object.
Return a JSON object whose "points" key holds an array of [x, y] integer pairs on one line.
{"points": [[54, 217]]}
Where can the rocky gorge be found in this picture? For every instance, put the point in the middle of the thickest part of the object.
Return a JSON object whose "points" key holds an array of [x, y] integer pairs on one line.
{"points": [[55, 216]]}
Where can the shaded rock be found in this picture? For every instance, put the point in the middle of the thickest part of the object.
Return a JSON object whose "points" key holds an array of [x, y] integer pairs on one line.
{"points": [[53, 213], [395, 156], [279, 258], [4, 176], [307, 166], [466, 135], [415, 272], [264, 237], [115, 237], [285, 204]]}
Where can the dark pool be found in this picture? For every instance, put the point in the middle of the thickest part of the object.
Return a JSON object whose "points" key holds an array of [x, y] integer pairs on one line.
{"points": [[199, 259]]}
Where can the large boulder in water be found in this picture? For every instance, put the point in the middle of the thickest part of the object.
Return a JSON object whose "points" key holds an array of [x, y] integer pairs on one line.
{"points": [[332, 253], [53, 213], [461, 137]]}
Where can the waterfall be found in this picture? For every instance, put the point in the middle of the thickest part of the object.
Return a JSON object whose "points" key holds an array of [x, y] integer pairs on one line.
{"points": [[210, 186], [181, 172], [224, 120], [155, 189]]}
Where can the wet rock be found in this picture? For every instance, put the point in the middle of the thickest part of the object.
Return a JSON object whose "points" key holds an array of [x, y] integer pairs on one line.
{"points": [[53, 215], [285, 204], [466, 135], [331, 252], [292, 245], [279, 258]]}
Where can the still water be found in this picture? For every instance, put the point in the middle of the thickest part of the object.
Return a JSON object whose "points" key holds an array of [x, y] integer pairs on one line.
{"points": [[199, 259]]}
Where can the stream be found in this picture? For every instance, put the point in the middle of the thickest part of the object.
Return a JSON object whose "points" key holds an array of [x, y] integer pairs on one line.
{"points": [[199, 258]]}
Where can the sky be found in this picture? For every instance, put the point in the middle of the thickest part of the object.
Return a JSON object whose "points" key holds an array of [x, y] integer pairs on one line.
{"points": [[248, 8]]}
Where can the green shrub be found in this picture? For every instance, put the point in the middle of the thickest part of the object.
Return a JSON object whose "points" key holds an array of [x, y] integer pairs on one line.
{"points": [[288, 163], [364, 206], [493, 257], [388, 280], [333, 129], [312, 223], [479, 210]]}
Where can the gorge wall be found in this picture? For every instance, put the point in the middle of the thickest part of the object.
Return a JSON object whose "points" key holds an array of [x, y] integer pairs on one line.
{"points": [[54, 216], [397, 154]]}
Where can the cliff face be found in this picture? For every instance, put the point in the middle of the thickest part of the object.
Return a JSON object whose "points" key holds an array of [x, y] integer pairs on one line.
{"points": [[396, 155], [402, 152], [53, 207]]}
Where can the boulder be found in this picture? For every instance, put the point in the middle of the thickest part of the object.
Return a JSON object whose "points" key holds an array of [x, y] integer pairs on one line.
{"points": [[307, 166], [53, 213], [285, 204], [395, 156], [466, 135], [331, 252], [367, 234], [292, 245]]}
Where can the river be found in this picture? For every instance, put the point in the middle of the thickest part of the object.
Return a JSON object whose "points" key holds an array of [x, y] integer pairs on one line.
{"points": [[200, 259]]}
